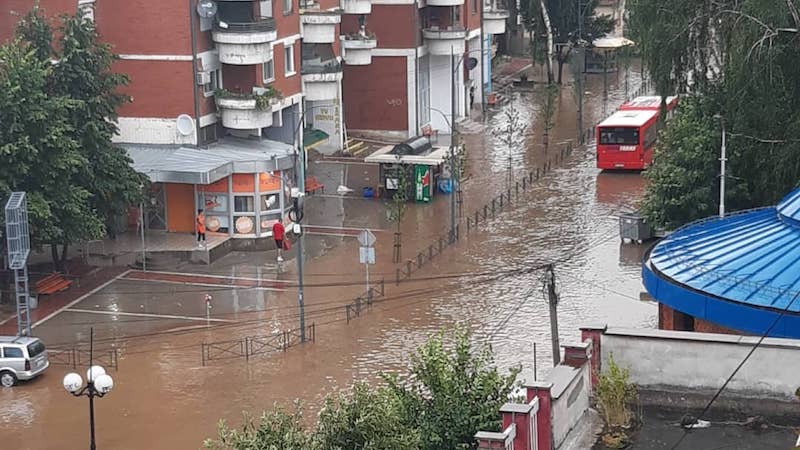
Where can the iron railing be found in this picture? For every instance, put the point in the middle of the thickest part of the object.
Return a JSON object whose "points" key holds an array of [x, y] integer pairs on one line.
{"points": [[257, 25], [254, 345]]}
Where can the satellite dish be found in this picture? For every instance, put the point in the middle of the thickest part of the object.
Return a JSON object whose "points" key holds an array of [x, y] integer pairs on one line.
{"points": [[185, 124], [206, 9], [472, 63]]}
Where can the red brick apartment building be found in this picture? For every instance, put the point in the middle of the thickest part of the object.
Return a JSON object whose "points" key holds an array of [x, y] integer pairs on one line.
{"points": [[224, 90]]}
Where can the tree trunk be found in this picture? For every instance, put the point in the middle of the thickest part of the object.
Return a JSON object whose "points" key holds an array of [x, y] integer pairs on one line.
{"points": [[54, 256], [64, 252], [550, 46], [560, 70]]}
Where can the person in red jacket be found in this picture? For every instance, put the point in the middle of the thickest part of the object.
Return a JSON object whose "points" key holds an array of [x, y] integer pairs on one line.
{"points": [[278, 233]]}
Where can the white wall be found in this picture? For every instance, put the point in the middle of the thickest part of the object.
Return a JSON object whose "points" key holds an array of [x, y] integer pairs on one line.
{"points": [[476, 74], [570, 399], [146, 130], [441, 70], [702, 361]]}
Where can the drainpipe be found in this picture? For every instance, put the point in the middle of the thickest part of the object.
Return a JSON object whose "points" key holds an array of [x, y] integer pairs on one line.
{"points": [[483, 69], [192, 26], [416, 67]]}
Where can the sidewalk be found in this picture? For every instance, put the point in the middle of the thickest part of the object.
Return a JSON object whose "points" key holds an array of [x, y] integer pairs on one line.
{"points": [[48, 304]]}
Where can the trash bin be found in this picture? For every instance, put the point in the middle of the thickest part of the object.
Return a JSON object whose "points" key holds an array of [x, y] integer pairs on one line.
{"points": [[33, 301], [367, 192], [634, 227]]}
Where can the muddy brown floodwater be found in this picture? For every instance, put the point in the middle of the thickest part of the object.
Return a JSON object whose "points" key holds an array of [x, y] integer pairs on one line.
{"points": [[165, 399]]}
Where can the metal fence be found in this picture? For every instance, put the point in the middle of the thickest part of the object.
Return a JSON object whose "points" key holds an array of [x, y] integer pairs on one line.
{"points": [[249, 346], [364, 301], [79, 357]]}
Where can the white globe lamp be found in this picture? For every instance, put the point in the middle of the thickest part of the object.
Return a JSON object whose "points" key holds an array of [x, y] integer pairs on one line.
{"points": [[73, 382], [94, 372], [104, 383]]}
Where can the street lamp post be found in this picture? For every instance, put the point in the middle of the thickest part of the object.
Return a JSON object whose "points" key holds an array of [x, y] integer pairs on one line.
{"points": [[722, 163], [98, 384]]}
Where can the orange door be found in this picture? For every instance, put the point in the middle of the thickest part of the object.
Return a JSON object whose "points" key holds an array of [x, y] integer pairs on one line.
{"points": [[180, 208]]}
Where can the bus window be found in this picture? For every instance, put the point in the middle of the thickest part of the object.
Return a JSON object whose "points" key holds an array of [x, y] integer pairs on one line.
{"points": [[619, 136]]}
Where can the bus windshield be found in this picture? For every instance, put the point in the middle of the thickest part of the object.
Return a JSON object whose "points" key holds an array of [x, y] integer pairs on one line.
{"points": [[619, 136]]}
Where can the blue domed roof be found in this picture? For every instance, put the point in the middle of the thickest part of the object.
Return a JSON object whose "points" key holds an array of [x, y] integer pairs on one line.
{"points": [[741, 271], [789, 207]]}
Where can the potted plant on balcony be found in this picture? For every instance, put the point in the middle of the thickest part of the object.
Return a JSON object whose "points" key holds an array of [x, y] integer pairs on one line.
{"points": [[263, 100]]}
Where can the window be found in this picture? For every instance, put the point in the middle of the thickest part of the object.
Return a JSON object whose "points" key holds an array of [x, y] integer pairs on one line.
{"points": [[270, 202], [269, 71], [243, 204], [12, 352], [213, 85], [35, 348], [288, 61], [474, 6], [287, 7], [619, 136]]}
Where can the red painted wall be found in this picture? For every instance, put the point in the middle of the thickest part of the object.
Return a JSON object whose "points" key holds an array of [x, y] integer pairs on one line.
{"points": [[375, 95], [158, 88], [145, 27], [472, 18], [393, 25], [291, 85], [544, 426]]}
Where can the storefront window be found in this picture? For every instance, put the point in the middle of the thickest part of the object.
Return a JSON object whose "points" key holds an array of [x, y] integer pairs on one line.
{"points": [[267, 220], [270, 202], [245, 225], [243, 203], [215, 206]]}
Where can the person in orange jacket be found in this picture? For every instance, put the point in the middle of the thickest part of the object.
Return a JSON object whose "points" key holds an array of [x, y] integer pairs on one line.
{"points": [[201, 227]]}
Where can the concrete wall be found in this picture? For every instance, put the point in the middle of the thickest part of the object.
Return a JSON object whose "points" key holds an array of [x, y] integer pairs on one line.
{"points": [[570, 403], [692, 366]]}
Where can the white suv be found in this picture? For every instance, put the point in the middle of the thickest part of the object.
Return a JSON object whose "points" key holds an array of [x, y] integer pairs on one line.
{"points": [[21, 358]]}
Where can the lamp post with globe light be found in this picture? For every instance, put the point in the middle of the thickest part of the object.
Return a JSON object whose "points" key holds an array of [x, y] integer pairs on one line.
{"points": [[98, 384]]}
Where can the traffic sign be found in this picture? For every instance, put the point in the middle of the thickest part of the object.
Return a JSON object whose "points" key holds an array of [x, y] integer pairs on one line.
{"points": [[366, 238], [366, 255]]}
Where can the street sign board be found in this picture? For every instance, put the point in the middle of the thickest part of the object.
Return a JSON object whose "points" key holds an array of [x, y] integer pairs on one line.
{"points": [[366, 255], [366, 238]]}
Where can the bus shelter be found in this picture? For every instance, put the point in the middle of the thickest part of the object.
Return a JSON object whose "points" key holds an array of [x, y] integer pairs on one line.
{"points": [[421, 162]]}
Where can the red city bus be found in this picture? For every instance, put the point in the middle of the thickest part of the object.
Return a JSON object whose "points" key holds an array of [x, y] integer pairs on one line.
{"points": [[625, 140]]}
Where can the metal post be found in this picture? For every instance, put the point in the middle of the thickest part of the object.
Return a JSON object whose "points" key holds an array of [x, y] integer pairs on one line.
{"points": [[452, 143], [722, 160], [552, 299], [144, 248], [535, 375], [90, 386], [582, 59]]}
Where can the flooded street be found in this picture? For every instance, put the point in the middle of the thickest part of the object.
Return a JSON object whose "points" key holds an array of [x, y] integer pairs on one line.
{"points": [[165, 398]]}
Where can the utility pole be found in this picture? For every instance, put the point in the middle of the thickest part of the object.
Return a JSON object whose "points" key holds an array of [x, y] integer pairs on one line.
{"points": [[453, 138], [297, 194], [722, 160], [552, 299], [581, 67]]}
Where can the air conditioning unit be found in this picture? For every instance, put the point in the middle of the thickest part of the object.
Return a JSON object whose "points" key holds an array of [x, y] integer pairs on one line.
{"points": [[202, 78]]}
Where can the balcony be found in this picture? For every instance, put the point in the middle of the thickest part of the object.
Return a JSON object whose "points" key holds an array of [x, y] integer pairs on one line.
{"points": [[247, 111], [494, 18], [357, 6], [318, 26], [321, 78], [244, 43], [358, 48], [444, 2], [445, 41]]}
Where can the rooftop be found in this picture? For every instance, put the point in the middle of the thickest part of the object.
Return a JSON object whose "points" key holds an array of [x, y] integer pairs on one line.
{"points": [[628, 119]]}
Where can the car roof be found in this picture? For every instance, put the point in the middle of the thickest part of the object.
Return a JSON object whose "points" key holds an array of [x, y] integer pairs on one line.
{"points": [[21, 340]]}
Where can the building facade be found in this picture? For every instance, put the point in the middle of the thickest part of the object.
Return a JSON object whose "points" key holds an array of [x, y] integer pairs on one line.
{"points": [[402, 57], [224, 91]]}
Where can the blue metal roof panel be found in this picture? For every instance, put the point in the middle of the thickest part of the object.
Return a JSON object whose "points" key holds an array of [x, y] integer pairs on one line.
{"points": [[752, 258]]}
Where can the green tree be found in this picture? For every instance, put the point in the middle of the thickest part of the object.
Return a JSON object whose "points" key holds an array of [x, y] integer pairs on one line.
{"points": [[396, 209], [564, 18], [738, 59], [365, 419], [98, 182], [685, 160], [278, 429], [454, 391]]}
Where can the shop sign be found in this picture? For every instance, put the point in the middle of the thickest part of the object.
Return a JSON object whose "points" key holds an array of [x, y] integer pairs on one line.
{"points": [[422, 177]]}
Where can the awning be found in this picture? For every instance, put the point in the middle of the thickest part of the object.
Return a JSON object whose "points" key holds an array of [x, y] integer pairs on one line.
{"points": [[205, 166], [611, 42], [383, 155]]}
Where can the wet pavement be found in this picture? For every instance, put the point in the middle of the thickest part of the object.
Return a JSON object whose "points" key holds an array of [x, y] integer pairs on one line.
{"points": [[165, 398]]}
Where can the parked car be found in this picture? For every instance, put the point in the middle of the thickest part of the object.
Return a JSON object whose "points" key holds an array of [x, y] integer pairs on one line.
{"points": [[21, 358]]}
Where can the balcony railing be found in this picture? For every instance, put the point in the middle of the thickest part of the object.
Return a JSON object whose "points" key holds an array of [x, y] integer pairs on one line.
{"points": [[258, 25], [315, 67]]}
